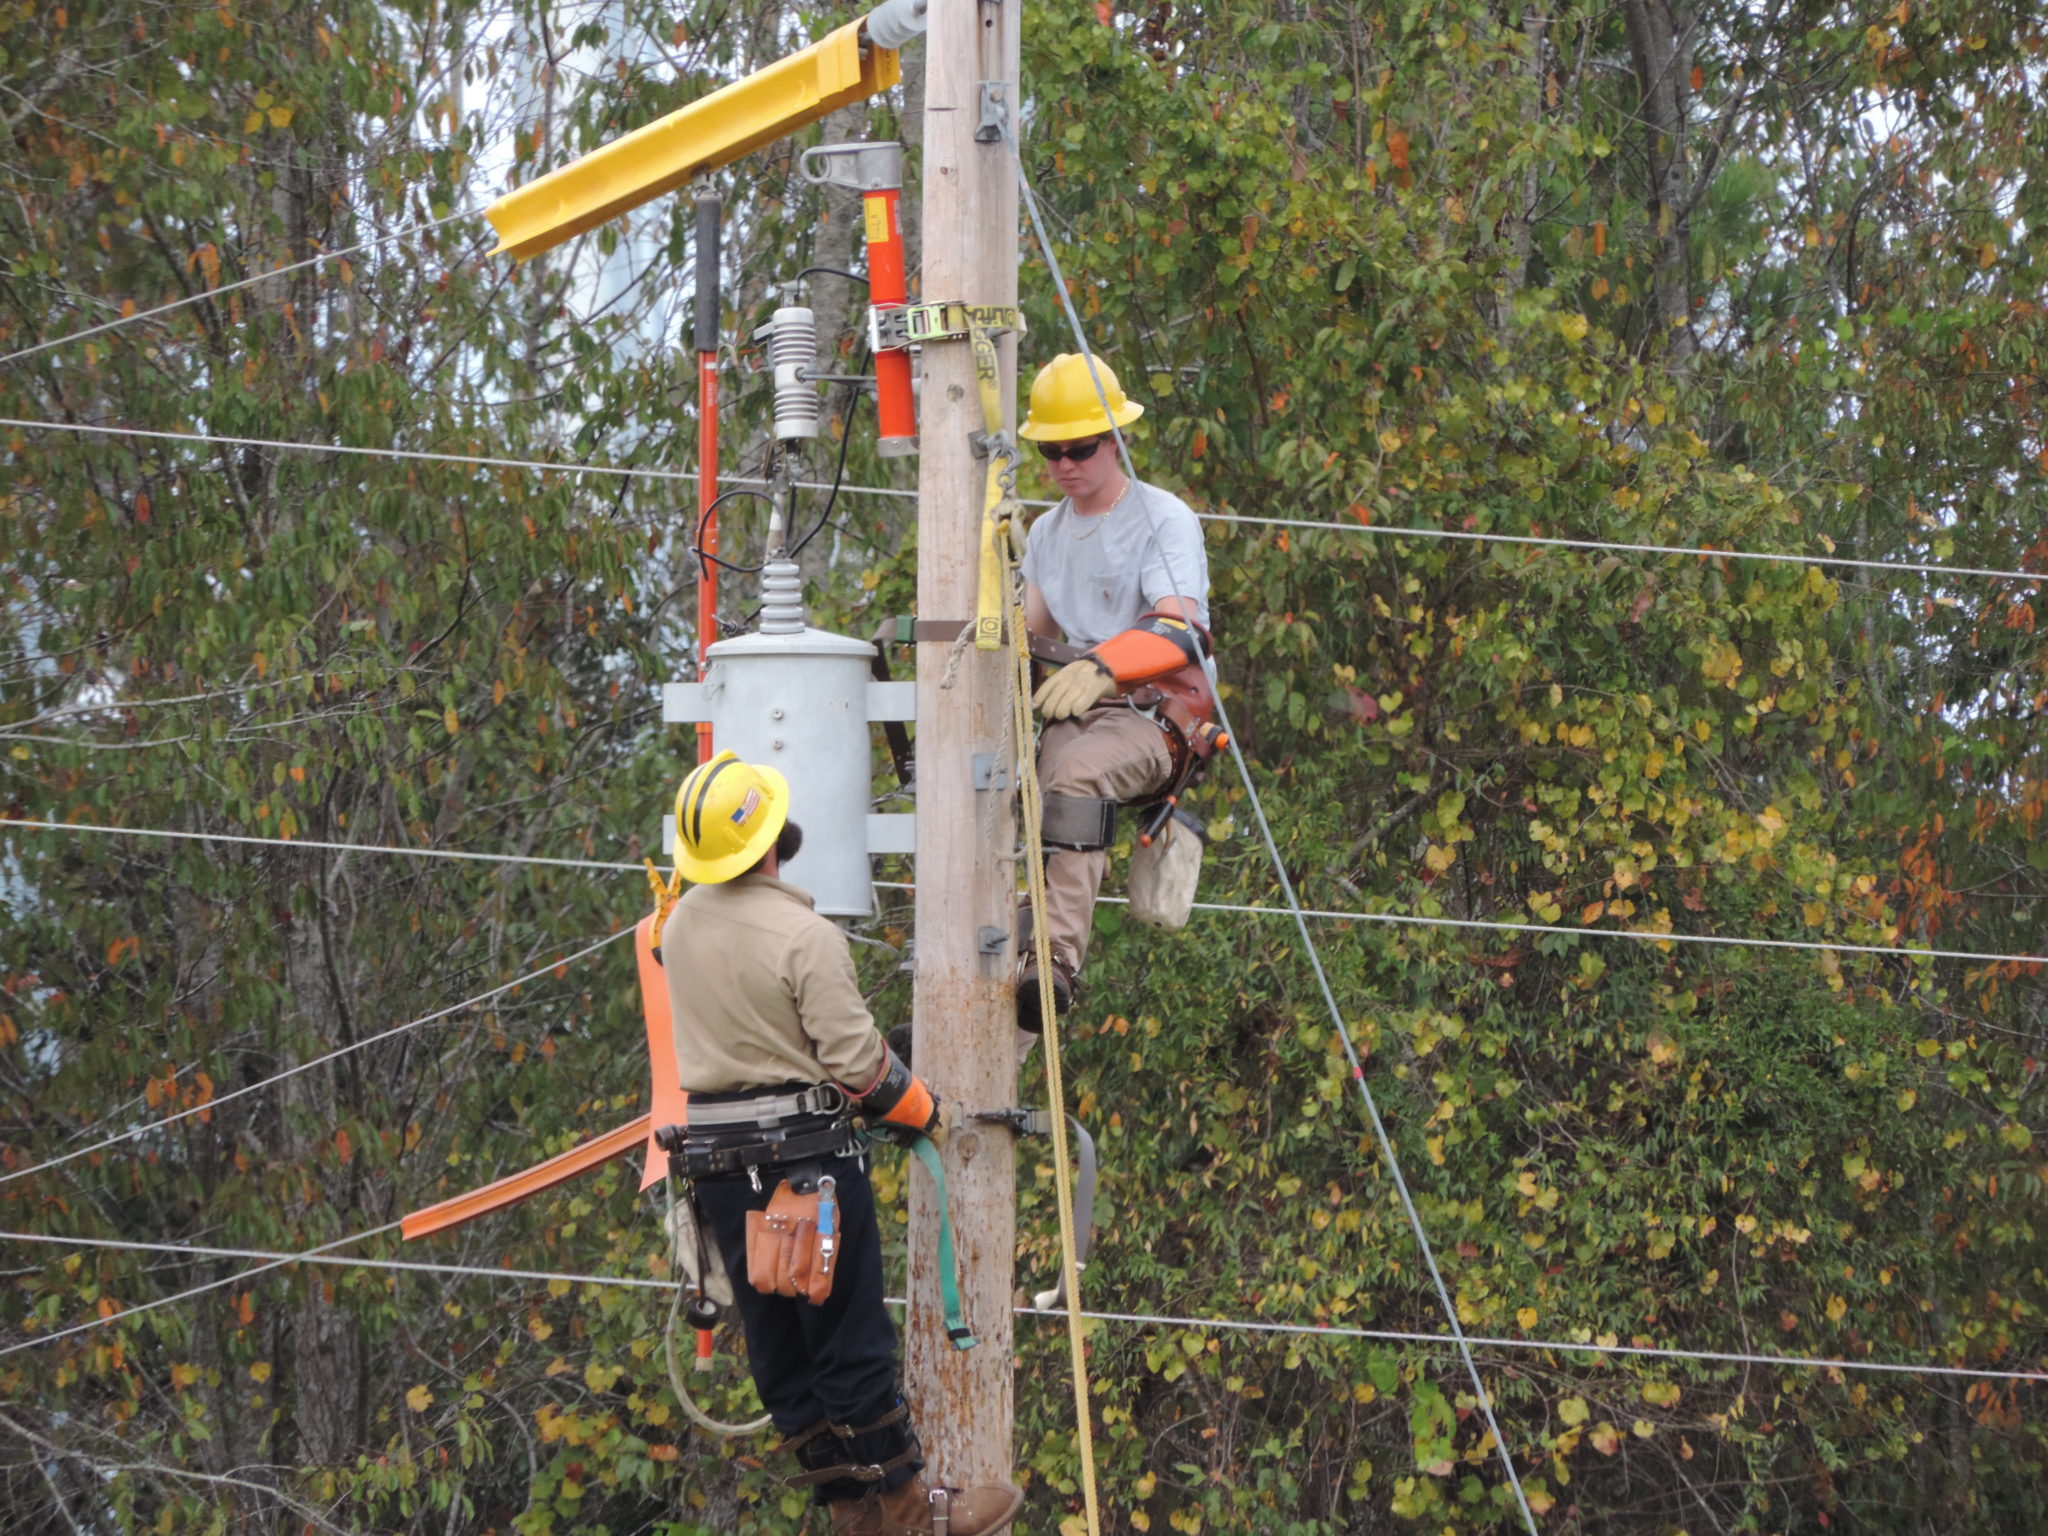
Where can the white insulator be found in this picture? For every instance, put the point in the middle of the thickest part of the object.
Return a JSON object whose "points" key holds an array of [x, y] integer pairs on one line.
{"points": [[792, 352], [896, 22], [782, 598]]}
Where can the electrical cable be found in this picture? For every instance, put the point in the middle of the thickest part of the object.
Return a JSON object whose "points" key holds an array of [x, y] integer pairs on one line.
{"points": [[1143, 1319], [480, 461], [704, 518], [314, 844], [246, 282], [839, 471], [275, 1261], [833, 271], [307, 1066], [1386, 530], [1386, 1143], [1321, 914]]}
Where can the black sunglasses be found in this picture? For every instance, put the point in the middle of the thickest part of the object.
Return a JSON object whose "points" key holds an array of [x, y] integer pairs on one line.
{"points": [[1078, 453]]}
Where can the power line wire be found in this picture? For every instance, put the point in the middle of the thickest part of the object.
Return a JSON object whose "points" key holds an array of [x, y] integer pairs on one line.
{"points": [[247, 282], [307, 1066], [1142, 1319], [482, 461], [315, 844], [1384, 530], [1386, 1142], [276, 1260], [1323, 914]]}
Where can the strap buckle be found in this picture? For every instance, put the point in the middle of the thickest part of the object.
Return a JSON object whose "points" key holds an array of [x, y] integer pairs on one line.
{"points": [[908, 325]]}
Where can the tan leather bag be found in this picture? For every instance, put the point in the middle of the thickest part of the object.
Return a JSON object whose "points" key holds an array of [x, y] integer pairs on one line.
{"points": [[786, 1253]]}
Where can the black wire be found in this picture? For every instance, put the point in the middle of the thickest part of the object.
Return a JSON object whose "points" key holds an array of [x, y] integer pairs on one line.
{"points": [[834, 271], [697, 541], [838, 476]]}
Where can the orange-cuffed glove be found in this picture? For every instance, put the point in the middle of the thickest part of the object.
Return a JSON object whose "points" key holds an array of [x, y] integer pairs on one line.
{"points": [[900, 1097]]}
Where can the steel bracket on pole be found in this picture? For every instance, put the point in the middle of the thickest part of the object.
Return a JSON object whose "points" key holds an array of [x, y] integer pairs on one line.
{"points": [[988, 773], [863, 167], [992, 940], [994, 112]]}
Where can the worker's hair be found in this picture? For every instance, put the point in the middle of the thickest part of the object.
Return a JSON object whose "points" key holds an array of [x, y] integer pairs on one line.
{"points": [[788, 842]]}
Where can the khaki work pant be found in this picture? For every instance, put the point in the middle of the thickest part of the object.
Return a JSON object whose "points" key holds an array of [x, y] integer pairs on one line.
{"points": [[1110, 753]]}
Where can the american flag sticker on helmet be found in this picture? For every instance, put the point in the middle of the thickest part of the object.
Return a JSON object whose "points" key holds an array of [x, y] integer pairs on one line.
{"points": [[747, 808]]}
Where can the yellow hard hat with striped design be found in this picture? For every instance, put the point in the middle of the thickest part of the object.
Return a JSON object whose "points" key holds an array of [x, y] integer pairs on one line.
{"points": [[728, 815]]}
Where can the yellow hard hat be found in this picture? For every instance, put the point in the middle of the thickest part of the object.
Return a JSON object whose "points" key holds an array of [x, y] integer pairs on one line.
{"points": [[1064, 403], [728, 815]]}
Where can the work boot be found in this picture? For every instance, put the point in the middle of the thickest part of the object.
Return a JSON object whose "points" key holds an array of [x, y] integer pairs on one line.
{"points": [[918, 1509], [1028, 1018]]}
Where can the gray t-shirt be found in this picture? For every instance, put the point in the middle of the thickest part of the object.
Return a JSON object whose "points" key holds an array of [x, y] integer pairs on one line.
{"points": [[1101, 574]]}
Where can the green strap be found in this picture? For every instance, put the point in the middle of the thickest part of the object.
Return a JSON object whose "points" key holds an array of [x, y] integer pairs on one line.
{"points": [[949, 1280]]}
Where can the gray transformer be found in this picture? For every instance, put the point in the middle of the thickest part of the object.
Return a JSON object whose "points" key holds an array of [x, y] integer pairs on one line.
{"points": [[803, 701]]}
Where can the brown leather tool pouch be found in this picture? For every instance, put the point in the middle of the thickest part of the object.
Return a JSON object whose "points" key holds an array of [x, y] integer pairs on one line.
{"points": [[785, 1255]]}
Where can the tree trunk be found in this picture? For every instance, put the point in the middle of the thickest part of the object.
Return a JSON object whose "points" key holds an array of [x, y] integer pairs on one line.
{"points": [[1660, 38]]}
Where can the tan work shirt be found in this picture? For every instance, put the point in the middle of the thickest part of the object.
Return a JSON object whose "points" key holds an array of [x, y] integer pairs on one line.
{"points": [[762, 991]]}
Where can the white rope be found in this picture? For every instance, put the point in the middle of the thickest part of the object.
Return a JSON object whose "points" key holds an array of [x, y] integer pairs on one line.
{"points": [[300, 842], [307, 1066], [198, 1290], [1386, 530], [1315, 959], [247, 282], [1143, 1319]]}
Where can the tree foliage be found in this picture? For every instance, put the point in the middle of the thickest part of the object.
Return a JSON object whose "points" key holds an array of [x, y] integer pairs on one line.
{"points": [[1765, 279]]}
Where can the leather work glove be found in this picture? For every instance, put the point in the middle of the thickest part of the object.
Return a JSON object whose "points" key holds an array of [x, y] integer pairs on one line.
{"points": [[938, 1133], [1074, 690]]}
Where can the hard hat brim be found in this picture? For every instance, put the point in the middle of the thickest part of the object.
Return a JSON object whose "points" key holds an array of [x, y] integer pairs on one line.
{"points": [[775, 816], [1090, 426]]}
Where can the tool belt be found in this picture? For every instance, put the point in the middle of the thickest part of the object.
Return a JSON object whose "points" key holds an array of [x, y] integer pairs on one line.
{"points": [[772, 1130]]}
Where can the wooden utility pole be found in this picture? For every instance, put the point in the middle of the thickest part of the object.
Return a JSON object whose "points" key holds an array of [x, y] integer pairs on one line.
{"points": [[965, 1042]]}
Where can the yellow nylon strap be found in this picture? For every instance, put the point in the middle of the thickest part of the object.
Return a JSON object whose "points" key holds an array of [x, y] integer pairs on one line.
{"points": [[1062, 1162], [997, 504]]}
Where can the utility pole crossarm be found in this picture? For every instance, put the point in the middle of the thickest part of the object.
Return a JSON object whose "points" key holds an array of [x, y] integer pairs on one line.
{"points": [[844, 66]]}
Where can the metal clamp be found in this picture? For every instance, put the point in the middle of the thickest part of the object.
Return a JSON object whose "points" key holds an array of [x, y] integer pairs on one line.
{"points": [[874, 167], [1024, 1122], [988, 773], [994, 112]]}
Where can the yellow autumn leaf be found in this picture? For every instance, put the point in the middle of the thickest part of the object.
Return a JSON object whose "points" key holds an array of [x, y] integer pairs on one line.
{"points": [[1661, 1393], [1815, 913], [280, 117], [1525, 1317], [260, 1372], [1390, 441], [1440, 857], [252, 122], [1573, 327], [1653, 764], [419, 1399], [1838, 1308], [1573, 1410]]}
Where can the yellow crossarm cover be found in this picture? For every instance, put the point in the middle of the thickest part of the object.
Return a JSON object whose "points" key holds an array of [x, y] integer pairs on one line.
{"points": [[664, 155]]}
